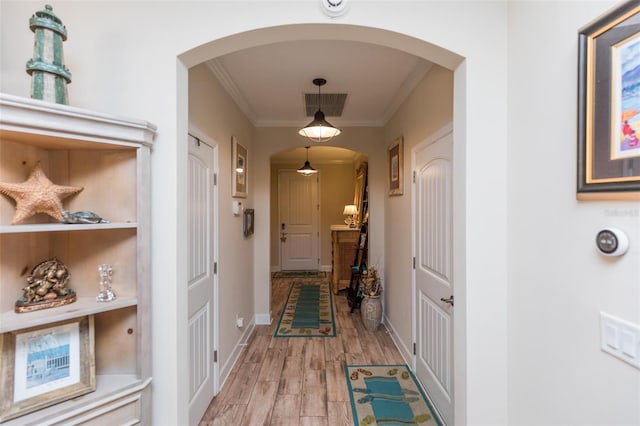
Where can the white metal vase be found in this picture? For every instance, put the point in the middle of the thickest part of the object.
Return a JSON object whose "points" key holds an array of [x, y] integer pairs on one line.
{"points": [[371, 311]]}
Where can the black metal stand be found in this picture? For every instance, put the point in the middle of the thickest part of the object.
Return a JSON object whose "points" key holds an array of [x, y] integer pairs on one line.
{"points": [[358, 268]]}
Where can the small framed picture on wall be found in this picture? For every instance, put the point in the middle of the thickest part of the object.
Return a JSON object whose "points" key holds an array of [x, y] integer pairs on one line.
{"points": [[395, 166], [239, 169]]}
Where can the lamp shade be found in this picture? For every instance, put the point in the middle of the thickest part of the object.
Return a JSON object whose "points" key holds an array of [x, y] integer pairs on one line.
{"points": [[306, 169], [350, 209], [319, 130]]}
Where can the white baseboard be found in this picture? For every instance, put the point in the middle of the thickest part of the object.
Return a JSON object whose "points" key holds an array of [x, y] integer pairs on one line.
{"points": [[225, 370], [407, 354], [263, 319]]}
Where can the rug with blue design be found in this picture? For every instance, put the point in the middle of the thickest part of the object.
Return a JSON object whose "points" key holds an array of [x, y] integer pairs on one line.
{"points": [[308, 311], [387, 395]]}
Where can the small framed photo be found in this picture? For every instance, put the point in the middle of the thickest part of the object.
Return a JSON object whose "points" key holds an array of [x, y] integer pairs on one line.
{"points": [[239, 166], [247, 223], [45, 365], [609, 106], [395, 166]]}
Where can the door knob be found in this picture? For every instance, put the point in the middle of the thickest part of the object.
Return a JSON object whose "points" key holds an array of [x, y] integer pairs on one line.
{"points": [[449, 300]]}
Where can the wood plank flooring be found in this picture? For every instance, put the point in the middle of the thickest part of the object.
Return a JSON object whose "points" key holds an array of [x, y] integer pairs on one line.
{"points": [[299, 380]]}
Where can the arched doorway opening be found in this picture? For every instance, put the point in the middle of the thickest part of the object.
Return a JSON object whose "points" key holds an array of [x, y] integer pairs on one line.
{"points": [[336, 169], [262, 265]]}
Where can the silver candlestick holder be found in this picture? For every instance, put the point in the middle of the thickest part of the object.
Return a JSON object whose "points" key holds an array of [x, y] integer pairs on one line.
{"points": [[106, 293]]}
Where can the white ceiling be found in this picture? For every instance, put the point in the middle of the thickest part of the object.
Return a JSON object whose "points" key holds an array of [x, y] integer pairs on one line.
{"points": [[268, 83]]}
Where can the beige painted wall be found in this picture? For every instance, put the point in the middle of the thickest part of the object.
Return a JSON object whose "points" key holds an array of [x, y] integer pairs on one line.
{"points": [[427, 109], [214, 117], [336, 188]]}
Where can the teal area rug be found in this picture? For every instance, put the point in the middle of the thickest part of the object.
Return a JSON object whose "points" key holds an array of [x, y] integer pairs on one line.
{"points": [[308, 311], [300, 274], [387, 395]]}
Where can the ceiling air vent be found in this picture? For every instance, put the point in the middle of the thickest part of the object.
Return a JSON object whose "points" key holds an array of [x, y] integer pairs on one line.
{"points": [[331, 104]]}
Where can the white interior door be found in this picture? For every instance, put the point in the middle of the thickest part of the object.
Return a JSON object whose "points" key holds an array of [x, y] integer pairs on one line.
{"points": [[433, 250], [298, 225], [203, 371]]}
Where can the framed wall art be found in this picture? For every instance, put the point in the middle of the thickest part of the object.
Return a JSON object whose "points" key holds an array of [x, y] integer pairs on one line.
{"points": [[239, 169], [609, 106], [45, 365], [395, 166], [247, 223]]}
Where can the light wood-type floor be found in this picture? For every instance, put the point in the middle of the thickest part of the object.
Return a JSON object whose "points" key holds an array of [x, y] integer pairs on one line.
{"points": [[299, 380]]}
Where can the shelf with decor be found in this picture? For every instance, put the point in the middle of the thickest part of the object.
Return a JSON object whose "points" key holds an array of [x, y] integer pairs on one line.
{"points": [[109, 158], [55, 227]]}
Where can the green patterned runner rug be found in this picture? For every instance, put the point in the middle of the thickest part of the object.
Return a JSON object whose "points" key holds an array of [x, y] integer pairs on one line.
{"points": [[386, 395], [299, 274], [308, 311]]}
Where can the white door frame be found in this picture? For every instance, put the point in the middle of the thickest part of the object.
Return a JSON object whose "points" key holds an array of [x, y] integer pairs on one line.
{"points": [[448, 128]]}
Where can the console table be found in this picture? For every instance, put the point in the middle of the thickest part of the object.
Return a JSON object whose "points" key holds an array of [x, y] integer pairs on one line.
{"points": [[344, 241]]}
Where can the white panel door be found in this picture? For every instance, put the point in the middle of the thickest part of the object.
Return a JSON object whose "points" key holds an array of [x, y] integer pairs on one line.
{"points": [[433, 272], [298, 213], [202, 280]]}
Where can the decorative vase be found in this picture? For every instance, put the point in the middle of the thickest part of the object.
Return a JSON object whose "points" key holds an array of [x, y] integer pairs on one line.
{"points": [[371, 311], [106, 293]]}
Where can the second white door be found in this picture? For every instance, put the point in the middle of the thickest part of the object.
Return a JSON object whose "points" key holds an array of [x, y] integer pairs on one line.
{"points": [[202, 367], [434, 311], [298, 221]]}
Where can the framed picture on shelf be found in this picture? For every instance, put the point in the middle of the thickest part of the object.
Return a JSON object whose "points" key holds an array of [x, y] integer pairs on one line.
{"points": [[609, 106], [395, 167], [45, 365], [239, 169]]}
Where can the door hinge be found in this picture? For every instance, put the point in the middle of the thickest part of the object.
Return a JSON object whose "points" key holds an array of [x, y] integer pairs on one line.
{"points": [[215, 267], [414, 176], [215, 179], [414, 348], [414, 262], [215, 356]]}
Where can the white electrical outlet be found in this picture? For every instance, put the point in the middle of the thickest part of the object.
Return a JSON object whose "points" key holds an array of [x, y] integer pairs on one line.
{"points": [[239, 321], [620, 338]]}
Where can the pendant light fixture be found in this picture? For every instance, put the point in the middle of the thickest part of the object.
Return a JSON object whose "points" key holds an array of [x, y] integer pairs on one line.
{"points": [[307, 170], [319, 130]]}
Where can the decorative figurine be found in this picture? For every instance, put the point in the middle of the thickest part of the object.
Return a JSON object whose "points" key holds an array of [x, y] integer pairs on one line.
{"points": [[37, 195], [106, 294], [49, 76], [46, 288], [81, 217]]}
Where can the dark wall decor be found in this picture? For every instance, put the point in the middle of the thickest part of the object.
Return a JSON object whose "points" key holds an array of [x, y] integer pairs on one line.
{"points": [[395, 159], [609, 106], [247, 222]]}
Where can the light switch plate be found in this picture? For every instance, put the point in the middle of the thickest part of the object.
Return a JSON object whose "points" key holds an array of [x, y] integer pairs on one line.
{"points": [[620, 338]]}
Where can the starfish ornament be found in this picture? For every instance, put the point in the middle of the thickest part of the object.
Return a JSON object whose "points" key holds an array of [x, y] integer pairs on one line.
{"points": [[37, 195]]}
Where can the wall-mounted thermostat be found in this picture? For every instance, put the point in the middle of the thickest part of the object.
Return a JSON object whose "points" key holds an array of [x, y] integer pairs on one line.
{"points": [[236, 206], [334, 8], [612, 242]]}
